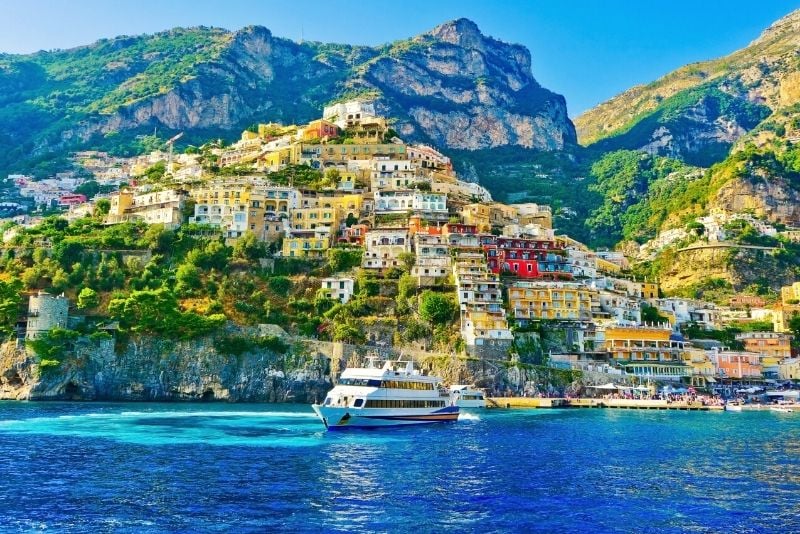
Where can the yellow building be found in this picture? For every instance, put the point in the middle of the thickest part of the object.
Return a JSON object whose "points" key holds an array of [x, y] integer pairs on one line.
{"points": [[782, 315], [649, 290], [485, 329], [643, 343], [544, 300], [487, 215], [478, 215], [306, 244], [275, 159], [790, 295], [153, 207], [605, 266], [648, 352], [702, 367], [305, 153], [345, 205], [120, 203], [368, 130], [239, 205], [317, 217]]}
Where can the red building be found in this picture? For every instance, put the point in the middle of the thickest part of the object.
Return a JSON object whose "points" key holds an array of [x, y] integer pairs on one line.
{"points": [[356, 233], [526, 258], [71, 200], [458, 228]]}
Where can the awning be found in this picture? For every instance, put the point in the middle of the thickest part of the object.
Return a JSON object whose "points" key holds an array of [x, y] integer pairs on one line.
{"points": [[710, 379], [605, 386]]}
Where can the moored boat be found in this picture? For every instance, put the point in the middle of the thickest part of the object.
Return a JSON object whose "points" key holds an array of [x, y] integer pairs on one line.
{"points": [[393, 395], [466, 397], [733, 407]]}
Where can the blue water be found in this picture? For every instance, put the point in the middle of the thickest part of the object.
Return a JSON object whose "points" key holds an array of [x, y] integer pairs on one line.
{"points": [[257, 468]]}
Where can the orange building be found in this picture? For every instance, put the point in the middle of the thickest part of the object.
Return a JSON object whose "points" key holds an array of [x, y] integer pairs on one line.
{"points": [[771, 345], [320, 129], [736, 364]]}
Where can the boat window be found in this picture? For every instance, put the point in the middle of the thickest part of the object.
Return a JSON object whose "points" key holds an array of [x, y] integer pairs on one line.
{"points": [[402, 384], [327, 401], [358, 403], [381, 403], [359, 382]]}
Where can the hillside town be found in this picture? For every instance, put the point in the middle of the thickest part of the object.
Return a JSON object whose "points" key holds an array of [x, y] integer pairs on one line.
{"points": [[513, 278]]}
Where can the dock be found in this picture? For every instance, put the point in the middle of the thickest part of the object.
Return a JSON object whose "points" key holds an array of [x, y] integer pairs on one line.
{"points": [[621, 404]]}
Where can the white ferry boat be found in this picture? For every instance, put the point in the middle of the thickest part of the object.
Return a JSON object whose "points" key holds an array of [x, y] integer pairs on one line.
{"points": [[466, 397], [393, 395]]}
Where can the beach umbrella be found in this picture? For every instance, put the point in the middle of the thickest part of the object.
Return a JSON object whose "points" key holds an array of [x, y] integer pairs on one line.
{"points": [[608, 386]]}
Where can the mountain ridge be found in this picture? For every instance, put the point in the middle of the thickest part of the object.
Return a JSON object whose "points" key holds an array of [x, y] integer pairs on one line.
{"points": [[715, 101], [452, 86]]}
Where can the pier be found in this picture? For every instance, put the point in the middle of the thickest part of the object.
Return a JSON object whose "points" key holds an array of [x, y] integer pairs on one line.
{"points": [[622, 404]]}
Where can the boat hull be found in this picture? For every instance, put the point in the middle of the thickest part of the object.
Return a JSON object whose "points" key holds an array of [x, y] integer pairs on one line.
{"points": [[345, 418]]}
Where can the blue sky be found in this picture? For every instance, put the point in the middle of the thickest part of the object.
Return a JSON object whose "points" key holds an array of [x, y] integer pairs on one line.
{"points": [[586, 50]]}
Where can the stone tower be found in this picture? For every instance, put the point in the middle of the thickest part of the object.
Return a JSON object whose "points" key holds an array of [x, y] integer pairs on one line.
{"points": [[46, 311]]}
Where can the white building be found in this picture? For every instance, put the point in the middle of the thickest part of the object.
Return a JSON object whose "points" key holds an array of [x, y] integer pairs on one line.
{"points": [[432, 263], [401, 201], [384, 246], [430, 202], [427, 157], [388, 173], [338, 288], [347, 114], [620, 307]]}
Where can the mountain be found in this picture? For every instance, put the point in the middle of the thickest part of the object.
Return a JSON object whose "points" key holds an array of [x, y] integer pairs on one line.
{"points": [[452, 86], [699, 111]]}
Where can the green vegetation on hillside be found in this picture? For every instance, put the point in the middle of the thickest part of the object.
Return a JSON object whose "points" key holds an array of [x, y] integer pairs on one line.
{"points": [[556, 179], [687, 114], [639, 191]]}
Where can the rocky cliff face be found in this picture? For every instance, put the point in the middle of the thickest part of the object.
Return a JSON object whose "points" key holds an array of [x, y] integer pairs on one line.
{"points": [[461, 89], [152, 369], [737, 266], [452, 86]]}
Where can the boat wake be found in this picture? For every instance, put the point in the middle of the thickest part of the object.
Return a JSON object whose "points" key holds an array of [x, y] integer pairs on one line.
{"points": [[215, 414], [464, 416]]}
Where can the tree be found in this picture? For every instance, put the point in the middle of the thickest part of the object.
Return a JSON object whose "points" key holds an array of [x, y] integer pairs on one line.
{"points": [[348, 334], [88, 299], [794, 327], [10, 301], [102, 207], [408, 259], [187, 278], [52, 346], [651, 315], [158, 238], [436, 308], [331, 177], [248, 247], [344, 259], [156, 311], [89, 188]]}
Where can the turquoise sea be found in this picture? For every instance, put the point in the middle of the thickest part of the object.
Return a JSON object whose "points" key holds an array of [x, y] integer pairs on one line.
{"points": [[265, 468]]}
